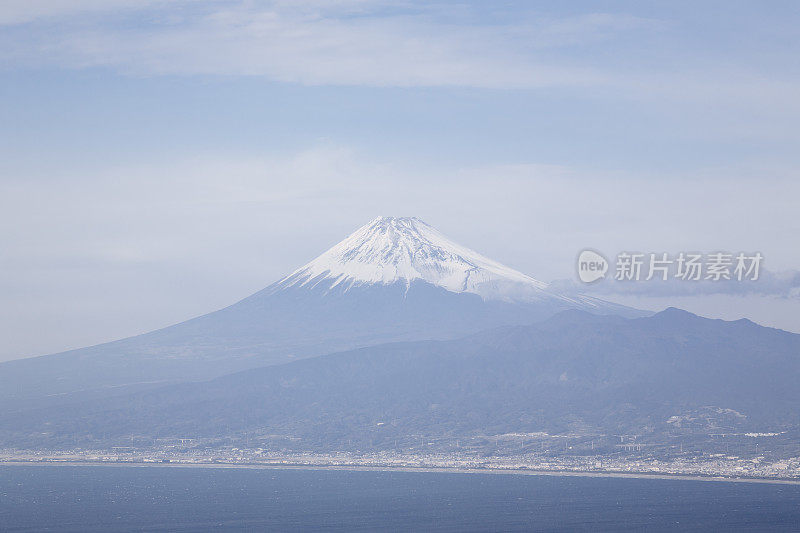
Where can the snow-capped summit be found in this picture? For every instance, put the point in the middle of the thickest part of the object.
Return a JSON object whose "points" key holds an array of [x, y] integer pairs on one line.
{"points": [[391, 250]]}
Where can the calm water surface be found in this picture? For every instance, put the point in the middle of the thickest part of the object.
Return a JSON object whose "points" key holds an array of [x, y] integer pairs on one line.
{"points": [[103, 498]]}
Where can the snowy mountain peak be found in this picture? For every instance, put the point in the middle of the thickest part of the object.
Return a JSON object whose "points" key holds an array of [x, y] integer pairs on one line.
{"points": [[405, 249]]}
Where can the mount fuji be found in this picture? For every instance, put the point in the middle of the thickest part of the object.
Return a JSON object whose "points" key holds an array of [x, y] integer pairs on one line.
{"points": [[394, 279]]}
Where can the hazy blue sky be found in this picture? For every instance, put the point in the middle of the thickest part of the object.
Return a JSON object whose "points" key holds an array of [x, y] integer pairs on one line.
{"points": [[160, 159]]}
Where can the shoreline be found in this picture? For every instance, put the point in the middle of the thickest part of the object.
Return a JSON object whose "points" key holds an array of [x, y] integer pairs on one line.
{"points": [[422, 469]]}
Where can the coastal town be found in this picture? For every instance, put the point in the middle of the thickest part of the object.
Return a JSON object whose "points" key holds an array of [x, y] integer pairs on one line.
{"points": [[712, 466]]}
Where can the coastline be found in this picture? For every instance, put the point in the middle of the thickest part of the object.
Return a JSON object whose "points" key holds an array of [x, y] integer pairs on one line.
{"points": [[421, 469]]}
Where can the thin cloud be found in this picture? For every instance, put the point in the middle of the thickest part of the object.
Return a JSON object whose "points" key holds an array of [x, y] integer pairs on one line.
{"points": [[26, 11], [344, 43], [394, 44], [784, 284]]}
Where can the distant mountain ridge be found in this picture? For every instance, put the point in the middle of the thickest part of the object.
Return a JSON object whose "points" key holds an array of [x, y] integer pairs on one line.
{"points": [[671, 374], [394, 279]]}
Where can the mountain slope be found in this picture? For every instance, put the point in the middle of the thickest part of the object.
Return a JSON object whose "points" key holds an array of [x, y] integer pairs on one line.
{"points": [[576, 373], [393, 279]]}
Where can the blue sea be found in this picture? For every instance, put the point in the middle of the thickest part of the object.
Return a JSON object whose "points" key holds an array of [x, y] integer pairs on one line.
{"points": [[108, 498]]}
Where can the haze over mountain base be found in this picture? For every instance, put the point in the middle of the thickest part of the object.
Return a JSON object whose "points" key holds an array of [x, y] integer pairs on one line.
{"points": [[393, 279], [574, 385]]}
